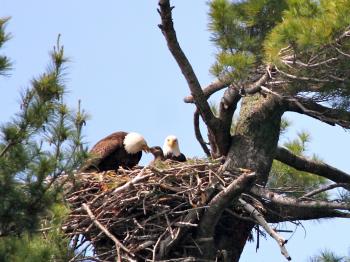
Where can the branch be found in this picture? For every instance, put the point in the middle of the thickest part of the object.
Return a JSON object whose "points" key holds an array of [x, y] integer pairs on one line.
{"points": [[277, 213], [256, 86], [131, 183], [210, 89], [296, 203], [169, 33], [323, 189], [258, 217], [118, 244], [325, 114], [300, 163], [218, 204], [198, 134]]}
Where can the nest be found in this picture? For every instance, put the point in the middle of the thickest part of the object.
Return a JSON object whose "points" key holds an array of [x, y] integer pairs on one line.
{"points": [[142, 213]]}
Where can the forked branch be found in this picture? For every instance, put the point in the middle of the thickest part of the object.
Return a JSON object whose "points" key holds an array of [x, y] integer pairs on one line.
{"points": [[325, 114], [198, 133], [169, 33], [218, 204], [259, 218]]}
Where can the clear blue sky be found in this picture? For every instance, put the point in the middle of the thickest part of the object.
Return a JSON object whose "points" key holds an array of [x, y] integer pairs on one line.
{"points": [[126, 78]]}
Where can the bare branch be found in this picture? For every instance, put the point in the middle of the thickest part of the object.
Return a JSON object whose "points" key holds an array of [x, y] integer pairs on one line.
{"points": [[325, 114], [198, 133], [303, 78], [303, 164], [169, 33], [218, 204], [312, 65], [258, 217], [277, 213], [255, 87], [293, 202], [211, 89], [131, 183], [324, 188], [118, 244]]}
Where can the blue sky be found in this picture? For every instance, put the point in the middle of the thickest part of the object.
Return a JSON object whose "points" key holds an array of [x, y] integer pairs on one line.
{"points": [[127, 80]]}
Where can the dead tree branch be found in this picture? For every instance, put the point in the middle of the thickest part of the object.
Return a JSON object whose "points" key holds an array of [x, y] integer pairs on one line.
{"points": [[118, 244], [323, 189], [293, 202], [259, 218], [303, 164], [198, 133], [325, 114], [169, 33], [211, 89], [218, 204]]}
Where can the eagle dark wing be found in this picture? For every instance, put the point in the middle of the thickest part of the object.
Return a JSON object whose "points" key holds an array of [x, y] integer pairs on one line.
{"points": [[106, 152], [108, 145], [179, 158]]}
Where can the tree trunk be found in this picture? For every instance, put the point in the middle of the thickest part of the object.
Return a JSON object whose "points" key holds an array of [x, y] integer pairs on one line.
{"points": [[253, 147]]}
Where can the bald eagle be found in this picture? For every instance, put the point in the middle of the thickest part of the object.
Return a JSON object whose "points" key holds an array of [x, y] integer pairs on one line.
{"points": [[171, 149], [118, 149], [157, 152]]}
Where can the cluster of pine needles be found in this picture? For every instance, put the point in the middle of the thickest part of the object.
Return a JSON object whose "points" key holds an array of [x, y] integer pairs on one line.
{"points": [[142, 212]]}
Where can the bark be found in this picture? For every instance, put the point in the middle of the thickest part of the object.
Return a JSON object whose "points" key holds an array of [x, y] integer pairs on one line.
{"points": [[311, 166]]}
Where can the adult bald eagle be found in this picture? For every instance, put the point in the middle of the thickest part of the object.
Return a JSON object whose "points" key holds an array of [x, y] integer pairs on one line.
{"points": [[171, 149], [118, 149], [157, 152]]}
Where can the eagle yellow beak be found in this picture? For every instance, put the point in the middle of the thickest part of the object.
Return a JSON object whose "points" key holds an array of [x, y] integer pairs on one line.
{"points": [[171, 143]]}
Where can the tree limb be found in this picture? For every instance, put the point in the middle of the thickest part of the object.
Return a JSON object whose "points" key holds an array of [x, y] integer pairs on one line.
{"points": [[210, 89], [218, 204], [324, 188], [325, 114], [169, 33], [300, 163], [198, 134], [282, 200], [118, 244], [258, 217], [277, 213]]}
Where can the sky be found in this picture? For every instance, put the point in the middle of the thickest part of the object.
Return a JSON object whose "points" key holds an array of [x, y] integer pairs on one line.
{"points": [[121, 70]]}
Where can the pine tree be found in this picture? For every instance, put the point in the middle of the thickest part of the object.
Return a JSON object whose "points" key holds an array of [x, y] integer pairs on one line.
{"points": [[272, 57], [41, 143]]}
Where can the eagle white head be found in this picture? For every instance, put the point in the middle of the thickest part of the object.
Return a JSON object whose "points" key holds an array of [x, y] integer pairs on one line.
{"points": [[171, 145], [134, 142]]}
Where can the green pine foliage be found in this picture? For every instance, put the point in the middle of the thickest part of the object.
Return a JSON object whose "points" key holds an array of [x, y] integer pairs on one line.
{"points": [[238, 30], [253, 34], [308, 25], [312, 36], [328, 256], [291, 181], [39, 144], [5, 64]]}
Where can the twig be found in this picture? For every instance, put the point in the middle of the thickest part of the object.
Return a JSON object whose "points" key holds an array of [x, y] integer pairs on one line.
{"points": [[198, 134], [217, 205], [100, 226], [262, 222], [323, 189], [131, 183]]}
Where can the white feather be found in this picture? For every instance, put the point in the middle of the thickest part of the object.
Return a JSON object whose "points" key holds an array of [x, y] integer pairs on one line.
{"points": [[134, 142], [167, 149]]}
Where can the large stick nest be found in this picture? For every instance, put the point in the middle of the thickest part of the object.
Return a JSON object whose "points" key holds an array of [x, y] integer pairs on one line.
{"points": [[146, 210]]}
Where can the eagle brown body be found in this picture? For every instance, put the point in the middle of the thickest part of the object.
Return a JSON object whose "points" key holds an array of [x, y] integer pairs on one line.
{"points": [[110, 153]]}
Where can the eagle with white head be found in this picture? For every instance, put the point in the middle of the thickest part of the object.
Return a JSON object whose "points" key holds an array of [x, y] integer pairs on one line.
{"points": [[171, 149], [118, 149]]}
